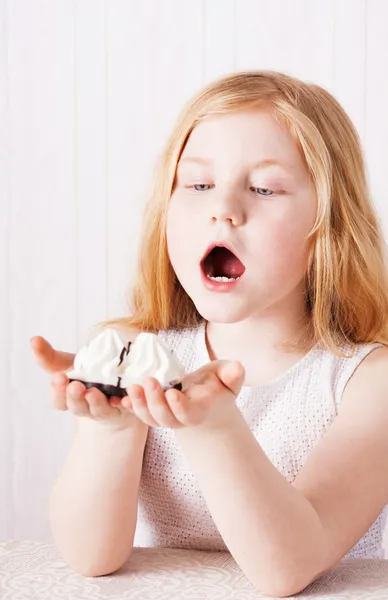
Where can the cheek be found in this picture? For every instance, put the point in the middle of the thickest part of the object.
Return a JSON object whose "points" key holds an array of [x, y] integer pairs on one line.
{"points": [[180, 238], [285, 248]]}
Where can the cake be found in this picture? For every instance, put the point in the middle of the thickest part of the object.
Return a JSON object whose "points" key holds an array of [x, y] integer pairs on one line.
{"points": [[110, 363]]}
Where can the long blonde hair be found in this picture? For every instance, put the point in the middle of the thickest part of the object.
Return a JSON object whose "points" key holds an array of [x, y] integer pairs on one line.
{"points": [[346, 280]]}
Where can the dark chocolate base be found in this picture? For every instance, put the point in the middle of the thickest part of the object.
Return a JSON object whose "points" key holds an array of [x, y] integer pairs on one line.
{"points": [[113, 390]]}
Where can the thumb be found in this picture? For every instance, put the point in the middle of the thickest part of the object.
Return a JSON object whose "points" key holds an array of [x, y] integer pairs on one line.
{"points": [[232, 374], [49, 359]]}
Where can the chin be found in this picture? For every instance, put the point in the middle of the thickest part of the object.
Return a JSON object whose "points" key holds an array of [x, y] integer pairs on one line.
{"points": [[217, 311]]}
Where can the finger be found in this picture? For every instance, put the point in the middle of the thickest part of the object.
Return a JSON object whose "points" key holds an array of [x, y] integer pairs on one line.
{"points": [[137, 401], [99, 405], [118, 402], [48, 358], [75, 399], [59, 383], [231, 374], [158, 407], [179, 406], [115, 401]]}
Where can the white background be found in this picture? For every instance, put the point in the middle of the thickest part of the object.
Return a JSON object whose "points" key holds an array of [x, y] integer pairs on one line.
{"points": [[88, 91]]}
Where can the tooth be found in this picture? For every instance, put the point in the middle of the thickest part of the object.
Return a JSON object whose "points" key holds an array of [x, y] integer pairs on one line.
{"points": [[222, 279]]}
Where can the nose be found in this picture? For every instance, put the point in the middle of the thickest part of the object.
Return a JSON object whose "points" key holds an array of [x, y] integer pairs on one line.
{"points": [[228, 207]]}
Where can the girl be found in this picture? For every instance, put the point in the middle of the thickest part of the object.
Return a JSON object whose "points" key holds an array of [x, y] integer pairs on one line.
{"points": [[262, 266]]}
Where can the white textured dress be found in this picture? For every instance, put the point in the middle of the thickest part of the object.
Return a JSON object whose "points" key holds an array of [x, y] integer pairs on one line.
{"points": [[288, 416]]}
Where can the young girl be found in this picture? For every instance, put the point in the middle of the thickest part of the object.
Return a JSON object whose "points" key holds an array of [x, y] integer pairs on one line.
{"points": [[261, 265]]}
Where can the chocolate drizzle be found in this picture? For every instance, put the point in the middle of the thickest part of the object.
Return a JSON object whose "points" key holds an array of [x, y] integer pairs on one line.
{"points": [[124, 353]]}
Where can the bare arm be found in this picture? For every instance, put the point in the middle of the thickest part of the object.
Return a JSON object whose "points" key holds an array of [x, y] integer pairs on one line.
{"points": [[284, 535], [93, 506]]}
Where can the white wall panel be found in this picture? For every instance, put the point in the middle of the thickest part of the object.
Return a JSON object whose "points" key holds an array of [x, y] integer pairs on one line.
{"points": [[89, 90], [90, 160], [42, 243], [6, 399], [295, 37], [349, 68], [376, 103], [219, 35]]}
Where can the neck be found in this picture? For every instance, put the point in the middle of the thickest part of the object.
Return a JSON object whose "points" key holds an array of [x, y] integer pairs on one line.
{"points": [[262, 342]]}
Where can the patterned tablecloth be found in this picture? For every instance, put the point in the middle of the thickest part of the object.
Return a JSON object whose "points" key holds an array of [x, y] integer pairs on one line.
{"points": [[35, 571]]}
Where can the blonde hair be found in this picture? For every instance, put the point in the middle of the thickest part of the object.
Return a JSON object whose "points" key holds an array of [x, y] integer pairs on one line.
{"points": [[346, 281]]}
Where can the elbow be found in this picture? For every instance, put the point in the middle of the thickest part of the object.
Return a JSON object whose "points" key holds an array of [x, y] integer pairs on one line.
{"points": [[286, 584], [97, 566], [97, 569], [94, 570], [287, 580], [281, 588]]}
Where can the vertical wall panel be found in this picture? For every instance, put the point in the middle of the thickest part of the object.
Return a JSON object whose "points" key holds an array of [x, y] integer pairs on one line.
{"points": [[295, 37], [219, 38], [42, 247], [131, 145], [90, 97], [89, 91], [349, 77], [6, 424], [176, 48]]}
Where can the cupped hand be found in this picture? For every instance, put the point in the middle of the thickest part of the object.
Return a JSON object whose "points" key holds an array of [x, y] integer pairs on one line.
{"points": [[207, 399], [74, 396]]}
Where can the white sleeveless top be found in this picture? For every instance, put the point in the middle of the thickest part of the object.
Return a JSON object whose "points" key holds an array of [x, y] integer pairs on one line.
{"points": [[288, 416]]}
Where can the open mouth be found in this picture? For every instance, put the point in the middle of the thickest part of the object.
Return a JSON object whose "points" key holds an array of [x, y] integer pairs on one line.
{"points": [[222, 266]]}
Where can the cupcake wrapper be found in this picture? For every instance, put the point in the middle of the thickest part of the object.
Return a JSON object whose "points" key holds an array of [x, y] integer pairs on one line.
{"points": [[113, 390]]}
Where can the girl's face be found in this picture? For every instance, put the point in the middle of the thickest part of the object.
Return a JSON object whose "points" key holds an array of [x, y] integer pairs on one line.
{"points": [[241, 182]]}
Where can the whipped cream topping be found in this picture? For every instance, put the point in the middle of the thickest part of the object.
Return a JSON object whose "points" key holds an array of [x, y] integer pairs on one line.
{"points": [[111, 359], [149, 355], [98, 361]]}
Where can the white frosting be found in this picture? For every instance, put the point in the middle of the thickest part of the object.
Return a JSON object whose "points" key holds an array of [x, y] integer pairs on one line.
{"points": [[98, 361], [149, 355]]}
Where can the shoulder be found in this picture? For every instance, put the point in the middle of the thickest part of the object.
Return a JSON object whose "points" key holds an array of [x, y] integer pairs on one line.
{"points": [[365, 397], [353, 364], [370, 379]]}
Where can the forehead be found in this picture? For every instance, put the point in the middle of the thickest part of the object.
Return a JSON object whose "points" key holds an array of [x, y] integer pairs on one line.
{"points": [[246, 135]]}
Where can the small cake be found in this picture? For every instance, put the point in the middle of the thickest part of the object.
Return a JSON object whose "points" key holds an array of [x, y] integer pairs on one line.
{"points": [[111, 363]]}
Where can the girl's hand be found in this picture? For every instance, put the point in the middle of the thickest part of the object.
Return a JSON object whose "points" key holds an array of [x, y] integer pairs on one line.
{"points": [[74, 396], [207, 399]]}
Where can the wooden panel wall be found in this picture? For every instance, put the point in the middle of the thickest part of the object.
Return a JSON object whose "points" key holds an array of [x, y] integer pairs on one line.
{"points": [[89, 90]]}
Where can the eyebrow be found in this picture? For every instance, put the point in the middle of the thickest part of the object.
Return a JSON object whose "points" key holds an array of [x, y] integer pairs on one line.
{"points": [[262, 164]]}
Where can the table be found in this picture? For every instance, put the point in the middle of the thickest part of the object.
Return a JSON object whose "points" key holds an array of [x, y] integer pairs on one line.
{"points": [[32, 570]]}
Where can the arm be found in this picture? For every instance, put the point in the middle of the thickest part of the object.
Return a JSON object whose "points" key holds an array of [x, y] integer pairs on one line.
{"points": [[93, 506], [284, 535]]}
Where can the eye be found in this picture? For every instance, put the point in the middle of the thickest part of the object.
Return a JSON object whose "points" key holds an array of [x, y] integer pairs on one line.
{"points": [[201, 187], [262, 191]]}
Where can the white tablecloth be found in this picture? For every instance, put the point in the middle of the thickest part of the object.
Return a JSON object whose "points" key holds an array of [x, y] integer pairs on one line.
{"points": [[35, 571]]}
